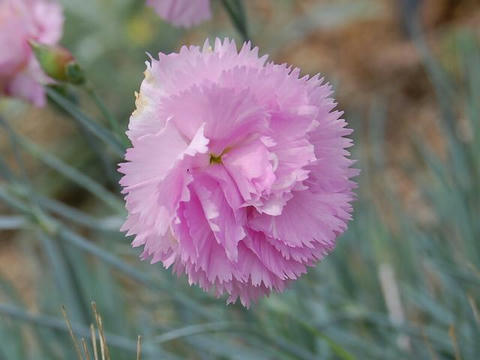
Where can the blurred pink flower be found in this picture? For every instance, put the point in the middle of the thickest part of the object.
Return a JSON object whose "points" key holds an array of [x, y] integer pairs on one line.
{"points": [[184, 13], [21, 21], [238, 175]]}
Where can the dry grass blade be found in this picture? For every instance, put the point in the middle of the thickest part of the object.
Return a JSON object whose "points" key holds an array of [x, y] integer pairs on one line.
{"points": [[453, 336], [81, 348], [85, 349], [391, 294], [93, 337], [103, 342], [139, 347], [72, 335], [475, 311], [427, 342], [102, 346], [94, 342]]}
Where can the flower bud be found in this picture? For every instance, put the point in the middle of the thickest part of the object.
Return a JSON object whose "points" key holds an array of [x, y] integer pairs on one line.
{"points": [[58, 63]]}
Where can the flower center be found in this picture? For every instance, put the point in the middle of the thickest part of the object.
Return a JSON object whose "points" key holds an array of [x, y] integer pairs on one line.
{"points": [[217, 159], [214, 159]]}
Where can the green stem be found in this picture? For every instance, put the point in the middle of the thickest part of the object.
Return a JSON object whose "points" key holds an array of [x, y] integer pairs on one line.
{"points": [[236, 11], [97, 130], [107, 114]]}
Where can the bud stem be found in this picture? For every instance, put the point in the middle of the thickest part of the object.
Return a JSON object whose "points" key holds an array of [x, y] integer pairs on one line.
{"points": [[106, 113]]}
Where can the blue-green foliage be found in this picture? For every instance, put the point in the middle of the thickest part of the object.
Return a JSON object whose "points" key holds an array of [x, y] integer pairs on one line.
{"points": [[338, 311]]}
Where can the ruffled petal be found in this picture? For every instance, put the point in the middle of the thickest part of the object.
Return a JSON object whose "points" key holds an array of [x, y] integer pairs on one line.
{"points": [[239, 175]]}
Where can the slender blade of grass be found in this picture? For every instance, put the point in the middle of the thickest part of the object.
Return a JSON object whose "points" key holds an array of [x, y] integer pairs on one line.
{"points": [[88, 123]]}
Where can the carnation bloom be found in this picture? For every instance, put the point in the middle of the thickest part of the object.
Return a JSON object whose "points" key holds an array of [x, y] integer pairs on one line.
{"points": [[238, 174], [184, 13], [21, 21]]}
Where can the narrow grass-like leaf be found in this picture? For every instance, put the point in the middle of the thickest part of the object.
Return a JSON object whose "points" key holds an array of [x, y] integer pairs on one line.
{"points": [[73, 174], [77, 216], [89, 124], [195, 330], [128, 270], [12, 222], [62, 275], [5, 171], [12, 201], [107, 114], [236, 12], [58, 324]]}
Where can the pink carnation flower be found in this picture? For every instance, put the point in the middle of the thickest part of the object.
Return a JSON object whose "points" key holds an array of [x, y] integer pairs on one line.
{"points": [[184, 13], [238, 175], [21, 21]]}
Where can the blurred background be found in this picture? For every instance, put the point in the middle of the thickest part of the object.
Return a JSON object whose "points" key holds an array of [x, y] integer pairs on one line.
{"points": [[404, 281]]}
